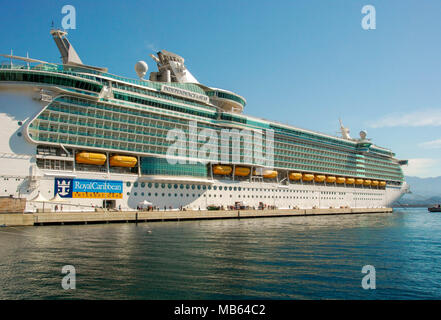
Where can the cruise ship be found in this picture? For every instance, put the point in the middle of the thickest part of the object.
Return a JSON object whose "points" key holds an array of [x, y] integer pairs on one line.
{"points": [[80, 137]]}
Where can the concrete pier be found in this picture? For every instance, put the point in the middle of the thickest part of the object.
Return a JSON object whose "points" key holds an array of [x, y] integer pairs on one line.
{"points": [[46, 218]]}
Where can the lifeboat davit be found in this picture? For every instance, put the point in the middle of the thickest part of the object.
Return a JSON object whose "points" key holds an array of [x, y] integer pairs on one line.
{"points": [[319, 178], [382, 183], [295, 176], [367, 182], [359, 181], [341, 180], [374, 183], [350, 180], [242, 171], [123, 161], [91, 158], [331, 179], [307, 177], [222, 170], [269, 174]]}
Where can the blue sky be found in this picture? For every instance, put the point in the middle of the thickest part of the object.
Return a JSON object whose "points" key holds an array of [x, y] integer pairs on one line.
{"points": [[304, 62]]}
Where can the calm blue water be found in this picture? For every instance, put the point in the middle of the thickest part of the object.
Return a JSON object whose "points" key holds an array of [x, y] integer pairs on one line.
{"points": [[278, 258]]}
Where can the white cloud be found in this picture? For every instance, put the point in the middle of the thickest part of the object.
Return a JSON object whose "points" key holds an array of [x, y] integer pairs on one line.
{"points": [[428, 117], [422, 167], [434, 144]]}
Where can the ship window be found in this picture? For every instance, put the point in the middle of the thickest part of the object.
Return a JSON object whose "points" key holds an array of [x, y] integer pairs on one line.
{"points": [[135, 185], [142, 185], [128, 184], [149, 185]]}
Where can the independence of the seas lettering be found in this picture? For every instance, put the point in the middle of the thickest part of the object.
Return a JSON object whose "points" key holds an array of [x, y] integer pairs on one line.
{"points": [[85, 188]]}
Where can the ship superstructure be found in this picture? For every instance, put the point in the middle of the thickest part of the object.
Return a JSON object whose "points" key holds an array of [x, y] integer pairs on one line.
{"points": [[78, 133]]}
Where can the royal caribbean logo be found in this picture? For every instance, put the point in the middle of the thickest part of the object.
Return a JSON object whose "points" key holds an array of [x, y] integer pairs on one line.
{"points": [[85, 188], [63, 187]]}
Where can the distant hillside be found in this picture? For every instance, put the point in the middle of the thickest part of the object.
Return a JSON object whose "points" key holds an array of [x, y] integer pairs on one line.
{"points": [[425, 191]]}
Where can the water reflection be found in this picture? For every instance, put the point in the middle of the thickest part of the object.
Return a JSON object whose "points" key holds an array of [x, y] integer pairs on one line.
{"points": [[279, 258]]}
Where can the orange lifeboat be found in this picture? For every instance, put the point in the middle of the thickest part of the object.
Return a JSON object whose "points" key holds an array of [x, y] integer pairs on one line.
{"points": [[242, 171], [359, 181], [341, 180], [375, 183], [222, 170], [295, 176], [319, 178], [331, 179], [350, 180], [269, 174], [307, 177], [123, 161], [382, 183], [91, 158], [367, 182]]}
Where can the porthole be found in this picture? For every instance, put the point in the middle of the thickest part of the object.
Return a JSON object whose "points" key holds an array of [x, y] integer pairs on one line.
{"points": [[128, 184]]}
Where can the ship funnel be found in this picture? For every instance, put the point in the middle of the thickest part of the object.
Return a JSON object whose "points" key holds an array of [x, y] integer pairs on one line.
{"points": [[68, 53]]}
